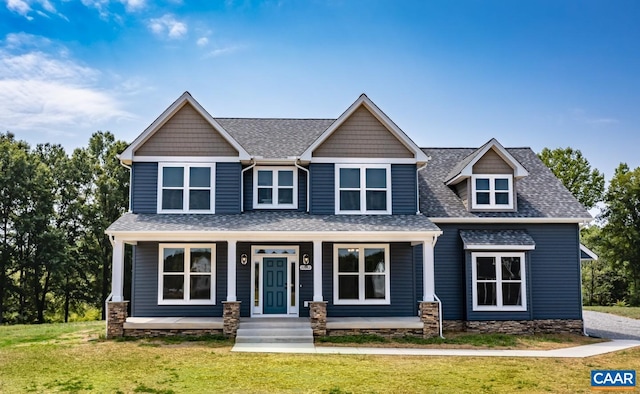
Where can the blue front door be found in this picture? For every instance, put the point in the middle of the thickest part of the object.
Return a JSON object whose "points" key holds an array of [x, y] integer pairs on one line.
{"points": [[275, 285]]}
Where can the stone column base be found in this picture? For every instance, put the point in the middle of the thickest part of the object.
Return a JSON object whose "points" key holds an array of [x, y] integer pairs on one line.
{"points": [[231, 318], [430, 316], [116, 317], [318, 317]]}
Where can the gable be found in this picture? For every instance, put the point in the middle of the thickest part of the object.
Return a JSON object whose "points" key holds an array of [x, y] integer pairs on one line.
{"points": [[362, 135], [186, 133], [492, 163]]}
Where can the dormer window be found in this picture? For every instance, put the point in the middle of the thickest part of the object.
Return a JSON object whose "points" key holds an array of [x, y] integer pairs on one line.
{"points": [[492, 191], [363, 189], [275, 188]]}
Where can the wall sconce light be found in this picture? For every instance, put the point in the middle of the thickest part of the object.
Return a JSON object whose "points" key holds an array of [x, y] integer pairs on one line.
{"points": [[305, 259], [244, 259]]}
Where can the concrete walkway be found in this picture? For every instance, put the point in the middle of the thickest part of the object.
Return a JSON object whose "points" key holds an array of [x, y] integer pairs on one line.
{"points": [[572, 352], [606, 325]]}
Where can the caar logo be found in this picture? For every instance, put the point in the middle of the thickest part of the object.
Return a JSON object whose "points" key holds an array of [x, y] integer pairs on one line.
{"points": [[613, 379]]}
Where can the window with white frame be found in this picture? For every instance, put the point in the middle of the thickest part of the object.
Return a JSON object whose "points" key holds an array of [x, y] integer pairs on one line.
{"points": [[492, 191], [186, 188], [187, 274], [361, 274], [363, 189], [275, 187], [498, 281]]}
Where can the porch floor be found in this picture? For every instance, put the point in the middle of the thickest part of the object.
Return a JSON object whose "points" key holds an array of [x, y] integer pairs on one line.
{"points": [[335, 323]]}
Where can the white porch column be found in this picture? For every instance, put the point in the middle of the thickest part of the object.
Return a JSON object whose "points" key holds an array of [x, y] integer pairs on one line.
{"points": [[231, 271], [428, 270], [117, 271], [317, 271]]}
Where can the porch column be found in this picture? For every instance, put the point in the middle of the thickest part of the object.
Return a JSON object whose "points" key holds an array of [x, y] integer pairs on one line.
{"points": [[428, 270], [231, 271], [317, 271], [117, 271]]}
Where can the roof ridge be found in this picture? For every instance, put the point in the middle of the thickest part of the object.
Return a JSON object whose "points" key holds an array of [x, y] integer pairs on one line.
{"points": [[246, 118]]}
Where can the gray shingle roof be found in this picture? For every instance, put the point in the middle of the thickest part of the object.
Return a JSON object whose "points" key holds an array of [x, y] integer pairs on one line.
{"points": [[275, 138], [539, 195], [271, 222], [496, 237], [464, 162]]}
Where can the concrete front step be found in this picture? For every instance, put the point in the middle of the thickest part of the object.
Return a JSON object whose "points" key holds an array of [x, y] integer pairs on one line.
{"points": [[275, 330]]}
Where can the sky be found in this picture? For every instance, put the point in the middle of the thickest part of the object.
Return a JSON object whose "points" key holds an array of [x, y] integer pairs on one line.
{"points": [[448, 73]]}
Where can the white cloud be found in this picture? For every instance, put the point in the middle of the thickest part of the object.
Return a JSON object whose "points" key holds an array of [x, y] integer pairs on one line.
{"points": [[580, 115], [202, 41], [168, 25], [19, 7], [133, 5], [50, 92], [222, 51]]}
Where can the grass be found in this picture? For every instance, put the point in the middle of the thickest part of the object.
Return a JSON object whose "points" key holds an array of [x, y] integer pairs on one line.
{"points": [[464, 340], [72, 358], [626, 311]]}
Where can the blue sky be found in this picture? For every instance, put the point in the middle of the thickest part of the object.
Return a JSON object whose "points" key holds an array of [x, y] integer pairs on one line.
{"points": [[449, 73]]}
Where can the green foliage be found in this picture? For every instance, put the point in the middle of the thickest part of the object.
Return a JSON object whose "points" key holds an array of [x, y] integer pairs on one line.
{"points": [[574, 171]]}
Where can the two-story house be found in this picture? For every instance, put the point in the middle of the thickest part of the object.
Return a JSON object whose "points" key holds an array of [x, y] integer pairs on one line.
{"points": [[336, 219]]}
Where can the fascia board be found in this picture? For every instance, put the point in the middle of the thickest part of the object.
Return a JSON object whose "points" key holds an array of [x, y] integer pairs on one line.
{"points": [[265, 236], [498, 247]]}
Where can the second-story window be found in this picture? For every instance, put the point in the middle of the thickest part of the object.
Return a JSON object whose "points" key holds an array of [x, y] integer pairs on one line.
{"points": [[186, 188], [363, 189], [492, 192], [275, 188]]}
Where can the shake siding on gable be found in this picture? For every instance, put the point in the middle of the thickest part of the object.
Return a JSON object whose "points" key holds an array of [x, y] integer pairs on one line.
{"points": [[491, 163], [144, 188], [145, 285], [227, 188], [403, 286], [362, 135], [186, 133]]}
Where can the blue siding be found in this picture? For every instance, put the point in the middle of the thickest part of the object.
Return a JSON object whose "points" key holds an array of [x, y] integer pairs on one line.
{"points": [[403, 287], [228, 187], [302, 190], [553, 274], [243, 278], [144, 192], [322, 189], [145, 285], [247, 188], [403, 189]]}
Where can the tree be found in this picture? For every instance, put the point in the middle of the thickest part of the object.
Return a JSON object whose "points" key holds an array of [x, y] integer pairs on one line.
{"points": [[574, 171], [622, 228]]}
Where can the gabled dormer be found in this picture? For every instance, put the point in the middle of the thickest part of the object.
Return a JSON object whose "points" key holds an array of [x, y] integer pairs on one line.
{"points": [[180, 158], [486, 179], [364, 163]]}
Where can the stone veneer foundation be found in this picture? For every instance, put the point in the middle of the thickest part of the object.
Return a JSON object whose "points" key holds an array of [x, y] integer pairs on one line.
{"points": [[153, 333], [318, 318], [545, 326], [116, 316], [231, 318], [430, 316]]}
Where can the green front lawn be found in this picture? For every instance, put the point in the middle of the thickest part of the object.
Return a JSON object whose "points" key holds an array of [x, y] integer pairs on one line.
{"points": [[626, 311], [71, 358]]}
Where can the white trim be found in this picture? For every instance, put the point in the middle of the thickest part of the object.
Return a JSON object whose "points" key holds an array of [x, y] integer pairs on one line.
{"points": [[363, 100], [464, 220], [117, 271], [186, 188], [187, 159], [428, 270], [186, 274], [231, 270], [127, 155], [363, 160], [363, 189], [277, 236], [257, 259], [518, 169], [588, 252], [275, 187], [498, 247], [361, 275], [317, 271], [492, 192], [499, 281]]}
